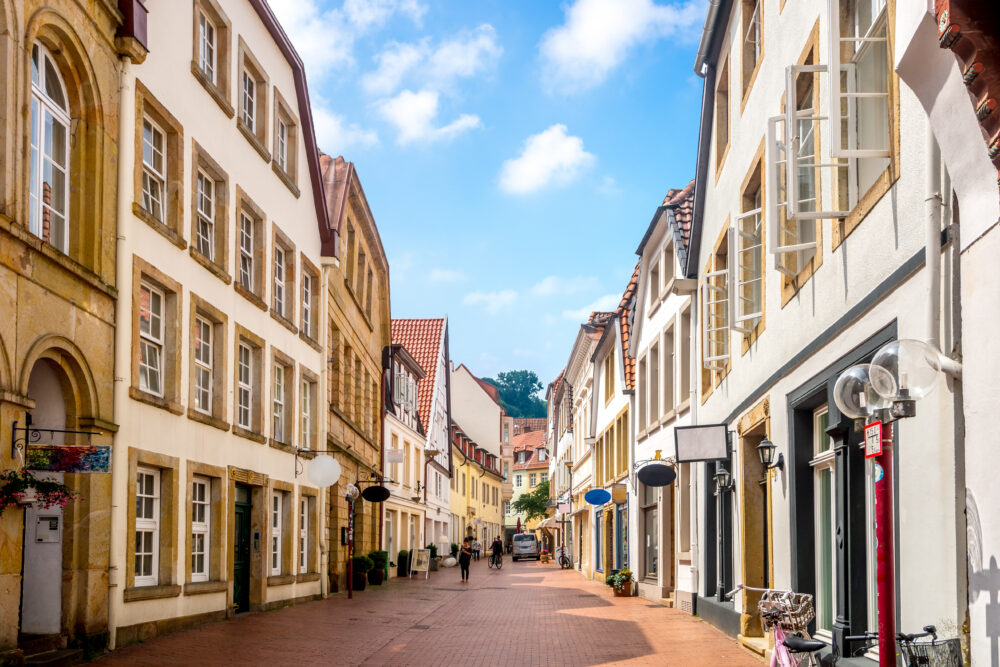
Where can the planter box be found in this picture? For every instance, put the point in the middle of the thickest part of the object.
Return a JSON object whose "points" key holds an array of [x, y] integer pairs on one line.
{"points": [[359, 581], [403, 567], [625, 592], [376, 576]]}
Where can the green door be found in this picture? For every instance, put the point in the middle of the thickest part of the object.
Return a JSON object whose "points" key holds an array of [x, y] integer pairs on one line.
{"points": [[241, 560]]}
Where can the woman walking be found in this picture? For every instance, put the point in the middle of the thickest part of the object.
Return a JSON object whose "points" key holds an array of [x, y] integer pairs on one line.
{"points": [[464, 558]]}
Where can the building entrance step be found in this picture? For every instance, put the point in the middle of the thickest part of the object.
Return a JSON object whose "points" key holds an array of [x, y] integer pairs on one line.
{"points": [[34, 644], [63, 657]]}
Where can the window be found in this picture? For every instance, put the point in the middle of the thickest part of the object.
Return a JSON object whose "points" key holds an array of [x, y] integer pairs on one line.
{"points": [[518, 480], [406, 464], [715, 312], [283, 279], [244, 399], [654, 383], [532, 480], [248, 102], [654, 285], [545, 476], [246, 251], [306, 409], [206, 46], [210, 60], [201, 517], [685, 353], [279, 280], [151, 304], [684, 508], [650, 528], [621, 429], [609, 376], [253, 102], [285, 143], [203, 365], [307, 288], [281, 146], [310, 298], [753, 45], [278, 404], [506, 507], [747, 240], [598, 539], [642, 394], [668, 369], [722, 116], [209, 226], [147, 526], [303, 535], [48, 190], [276, 532], [206, 216], [153, 169], [824, 504]]}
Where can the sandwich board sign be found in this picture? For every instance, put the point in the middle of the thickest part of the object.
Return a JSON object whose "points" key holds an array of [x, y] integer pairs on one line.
{"points": [[873, 440], [421, 562]]}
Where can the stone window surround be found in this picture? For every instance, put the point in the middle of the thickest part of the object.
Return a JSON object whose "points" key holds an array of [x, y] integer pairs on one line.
{"points": [[306, 375], [169, 467], [259, 294], [257, 409], [312, 536], [146, 105], [202, 162], [143, 271], [220, 91], [311, 337], [290, 175], [216, 547], [258, 136], [288, 534], [220, 326], [278, 358], [279, 239]]}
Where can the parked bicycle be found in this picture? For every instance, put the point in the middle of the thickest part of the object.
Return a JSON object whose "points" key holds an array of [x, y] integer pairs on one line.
{"points": [[916, 653], [496, 561], [788, 615]]}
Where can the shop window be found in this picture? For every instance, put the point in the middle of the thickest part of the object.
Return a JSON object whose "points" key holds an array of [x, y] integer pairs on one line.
{"points": [[650, 527]]}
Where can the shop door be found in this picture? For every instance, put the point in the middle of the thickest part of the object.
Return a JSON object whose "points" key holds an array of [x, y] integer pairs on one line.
{"points": [[241, 559], [41, 590]]}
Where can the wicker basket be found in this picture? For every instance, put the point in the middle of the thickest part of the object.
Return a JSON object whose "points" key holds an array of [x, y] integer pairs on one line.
{"points": [[791, 611], [941, 653]]}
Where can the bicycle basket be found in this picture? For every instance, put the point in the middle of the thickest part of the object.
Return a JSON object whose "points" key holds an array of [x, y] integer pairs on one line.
{"points": [[941, 653], [791, 611]]}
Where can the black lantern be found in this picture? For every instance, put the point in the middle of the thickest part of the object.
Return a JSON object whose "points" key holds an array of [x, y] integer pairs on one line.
{"points": [[766, 450], [723, 480]]}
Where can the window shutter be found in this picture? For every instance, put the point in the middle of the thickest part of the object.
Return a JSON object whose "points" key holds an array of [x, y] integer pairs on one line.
{"points": [[858, 54], [746, 250], [715, 319]]}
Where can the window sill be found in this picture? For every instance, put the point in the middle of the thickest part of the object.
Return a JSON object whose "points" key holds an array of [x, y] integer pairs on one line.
{"points": [[255, 141], [249, 435], [250, 296], [282, 446], [213, 90], [208, 419], [286, 179], [305, 577], [202, 587], [288, 324], [213, 268], [310, 341], [168, 232], [156, 401], [280, 579], [137, 593], [669, 287]]}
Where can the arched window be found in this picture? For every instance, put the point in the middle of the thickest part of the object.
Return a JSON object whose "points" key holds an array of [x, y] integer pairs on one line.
{"points": [[49, 184]]}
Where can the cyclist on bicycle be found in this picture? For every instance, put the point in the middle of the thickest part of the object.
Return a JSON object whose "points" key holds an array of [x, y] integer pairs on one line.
{"points": [[496, 547]]}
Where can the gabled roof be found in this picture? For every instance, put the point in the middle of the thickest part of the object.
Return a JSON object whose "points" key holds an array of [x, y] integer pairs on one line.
{"points": [[530, 424], [678, 207], [625, 311], [337, 176], [531, 442], [422, 339]]}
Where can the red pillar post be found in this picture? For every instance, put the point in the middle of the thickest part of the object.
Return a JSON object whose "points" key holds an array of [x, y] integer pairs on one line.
{"points": [[884, 533], [350, 549]]}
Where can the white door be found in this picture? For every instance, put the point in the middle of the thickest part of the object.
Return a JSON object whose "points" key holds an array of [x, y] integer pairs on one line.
{"points": [[41, 608]]}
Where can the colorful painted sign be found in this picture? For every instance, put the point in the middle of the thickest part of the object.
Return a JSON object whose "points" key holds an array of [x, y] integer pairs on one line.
{"points": [[873, 440], [67, 458]]}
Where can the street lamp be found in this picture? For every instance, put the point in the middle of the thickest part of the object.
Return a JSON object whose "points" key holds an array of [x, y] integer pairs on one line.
{"points": [[723, 480], [766, 450]]}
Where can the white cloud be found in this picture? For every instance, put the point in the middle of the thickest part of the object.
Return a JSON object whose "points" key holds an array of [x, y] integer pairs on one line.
{"points": [[598, 34], [335, 135], [605, 303], [556, 285], [393, 64], [445, 276], [413, 114], [491, 302], [372, 13], [551, 157]]}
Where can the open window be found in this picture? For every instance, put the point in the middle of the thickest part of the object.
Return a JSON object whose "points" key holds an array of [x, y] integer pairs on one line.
{"points": [[715, 319], [746, 247]]}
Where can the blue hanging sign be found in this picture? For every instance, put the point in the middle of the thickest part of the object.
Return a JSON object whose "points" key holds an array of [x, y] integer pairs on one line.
{"points": [[597, 497]]}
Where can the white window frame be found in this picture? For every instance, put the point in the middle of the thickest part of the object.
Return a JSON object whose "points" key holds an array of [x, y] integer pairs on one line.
{"points": [[746, 249], [303, 534], [518, 480], [823, 460], [281, 145], [307, 281], [277, 498], [246, 250], [148, 524], [278, 404], [305, 424], [42, 106], [154, 179], [753, 26], [207, 47], [203, 364], [205, 241], [244, 386], [201, 503], [248, 100], [151, 341], [279, 280], [715, 334]]}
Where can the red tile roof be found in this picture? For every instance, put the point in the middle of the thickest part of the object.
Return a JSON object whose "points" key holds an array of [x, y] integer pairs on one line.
{"points": [[422, 339], [624, 312], [682, 204], [530, 442], [529, 424]]}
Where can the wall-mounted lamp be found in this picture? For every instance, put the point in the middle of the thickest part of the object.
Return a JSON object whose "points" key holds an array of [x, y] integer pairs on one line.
{"points": [[766, 450], [723, 481]]}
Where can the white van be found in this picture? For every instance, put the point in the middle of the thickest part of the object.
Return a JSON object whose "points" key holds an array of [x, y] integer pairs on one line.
{"points": [[526, 546]]}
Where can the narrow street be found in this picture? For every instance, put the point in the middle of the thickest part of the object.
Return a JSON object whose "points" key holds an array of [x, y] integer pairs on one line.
{"points": [[526, 614]]}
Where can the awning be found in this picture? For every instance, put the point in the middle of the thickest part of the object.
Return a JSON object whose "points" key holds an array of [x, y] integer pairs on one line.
{"points": [[547, 524]]}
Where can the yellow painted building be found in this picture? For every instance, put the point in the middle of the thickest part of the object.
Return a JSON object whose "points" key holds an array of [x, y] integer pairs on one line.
{"points": [[476, 491]]}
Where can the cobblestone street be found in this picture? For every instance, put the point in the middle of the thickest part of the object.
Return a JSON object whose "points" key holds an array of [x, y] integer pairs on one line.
{"points": [[526, 614]]}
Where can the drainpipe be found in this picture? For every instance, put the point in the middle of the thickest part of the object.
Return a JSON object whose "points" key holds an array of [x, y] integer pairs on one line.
{"points": [[126, 157], [693, 402]]}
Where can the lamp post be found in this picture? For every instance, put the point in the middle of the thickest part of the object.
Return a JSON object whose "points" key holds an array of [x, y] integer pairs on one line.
{"points": [[723, 482], [901, 373]]}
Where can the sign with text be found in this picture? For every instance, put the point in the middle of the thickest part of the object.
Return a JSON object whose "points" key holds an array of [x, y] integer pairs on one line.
{"points": [[421, 562], [873, 440]]}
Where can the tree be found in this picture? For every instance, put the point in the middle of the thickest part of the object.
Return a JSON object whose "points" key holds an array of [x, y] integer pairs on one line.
{"points": [[533, 505], [518, 393]]}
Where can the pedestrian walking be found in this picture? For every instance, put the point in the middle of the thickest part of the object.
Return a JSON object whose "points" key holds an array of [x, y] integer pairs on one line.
{"points": [[477, 548], [464, 558]]}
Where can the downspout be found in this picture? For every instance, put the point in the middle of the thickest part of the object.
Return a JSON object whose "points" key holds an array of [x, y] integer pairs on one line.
{"points": [[932, 252], [693, 402], [706, 36], [126, 157]]}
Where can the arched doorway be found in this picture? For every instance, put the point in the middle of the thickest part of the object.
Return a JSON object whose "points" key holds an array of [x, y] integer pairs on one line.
{"points": [[42, 562]]}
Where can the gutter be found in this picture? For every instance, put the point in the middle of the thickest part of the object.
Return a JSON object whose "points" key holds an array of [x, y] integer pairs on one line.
{"points": [[706, 36], [701, 172]]}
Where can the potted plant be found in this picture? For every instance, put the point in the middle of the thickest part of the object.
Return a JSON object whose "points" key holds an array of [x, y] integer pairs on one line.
{"points": [[376, 575], [434, 554], [621, 583], [545, 556], [20, 488], [403, 563], [454, 550], [362, 565]]}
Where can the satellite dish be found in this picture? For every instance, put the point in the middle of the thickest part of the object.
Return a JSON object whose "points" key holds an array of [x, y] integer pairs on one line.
{"points": [[375, 494], [597, 497], [323, 470], [657, 474]]}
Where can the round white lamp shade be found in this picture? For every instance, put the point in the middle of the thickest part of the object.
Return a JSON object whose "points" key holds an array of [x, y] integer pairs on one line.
{"points": [[905, 370], [854, 394], [323, 470]]}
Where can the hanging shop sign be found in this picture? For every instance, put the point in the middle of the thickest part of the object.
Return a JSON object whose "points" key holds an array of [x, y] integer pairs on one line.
{"points": [[64, 458], [657, 474], [701, 443], [375, 494], [597, 497], [873, 440]]}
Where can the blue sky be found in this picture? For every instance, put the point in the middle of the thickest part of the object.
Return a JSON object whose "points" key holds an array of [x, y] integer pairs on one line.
{"points": [[512, 151]]}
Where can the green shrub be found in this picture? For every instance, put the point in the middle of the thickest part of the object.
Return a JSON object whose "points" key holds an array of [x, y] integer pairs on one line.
{"points": [[434, 550], [402, 556], [363, 564], [379, 558], [454, 549]]}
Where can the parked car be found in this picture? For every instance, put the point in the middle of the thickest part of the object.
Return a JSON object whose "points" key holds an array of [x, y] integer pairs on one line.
{"points": [[526, 546]]}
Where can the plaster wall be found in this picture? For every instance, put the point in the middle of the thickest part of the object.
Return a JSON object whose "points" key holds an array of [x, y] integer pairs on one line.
{"points": [[475, 411]]}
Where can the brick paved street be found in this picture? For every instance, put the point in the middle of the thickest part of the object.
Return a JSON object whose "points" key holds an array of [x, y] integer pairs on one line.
{"points": [[526, 614]]}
